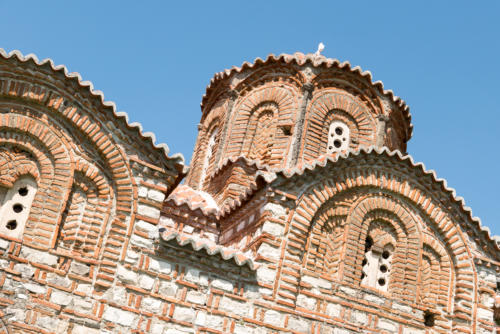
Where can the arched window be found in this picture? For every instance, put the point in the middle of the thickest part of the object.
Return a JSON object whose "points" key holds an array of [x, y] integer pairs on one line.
{"points": [[338, 137], [16, 206], [376, 265], [379, 250], [209, 155]]}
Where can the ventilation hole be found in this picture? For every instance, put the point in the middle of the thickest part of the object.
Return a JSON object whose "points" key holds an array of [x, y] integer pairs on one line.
{"points": [[363, 275], [17, 207], [11, 225], [368, 244], [385, 254], [23, 191], [343, 139], [330, 147], [337, 143], [429, 318], [364, 262], [381, 281], [338, 131], [383, 268]]}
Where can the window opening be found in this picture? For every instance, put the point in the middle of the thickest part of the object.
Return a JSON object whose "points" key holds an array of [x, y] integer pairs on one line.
{"points": [[376, 265], [16, 205], [208, 155], [429, 318], [338, 137]]}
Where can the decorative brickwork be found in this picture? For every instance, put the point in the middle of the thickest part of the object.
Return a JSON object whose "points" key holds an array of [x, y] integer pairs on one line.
{"points": [[301, 212]]}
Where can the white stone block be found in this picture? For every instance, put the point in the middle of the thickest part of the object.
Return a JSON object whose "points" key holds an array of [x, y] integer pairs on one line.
{"points": [[273, 317], [234, 306], [306, 302], [60, 298], [273, 228], [148, 211], [146, 282], [265, 275], [196, 297], [4, 244], [35, 288], [222, 285], [168, 289], [299, 325], [333, 310], [151, 304], [387, 325], [192, 275], [276, 209], [184, 314], [269, 251], [126, 276], [214, 321], [79, 268], [37, 256], [156, 195], [141, 242], [118, 316]]}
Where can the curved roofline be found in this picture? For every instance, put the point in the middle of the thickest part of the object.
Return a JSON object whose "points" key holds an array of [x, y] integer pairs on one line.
{"points": [[301, 59], [89, 87], [325, 160]]}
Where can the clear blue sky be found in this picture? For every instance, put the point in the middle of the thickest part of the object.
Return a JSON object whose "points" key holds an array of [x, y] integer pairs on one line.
{"points": [[155, 58]]}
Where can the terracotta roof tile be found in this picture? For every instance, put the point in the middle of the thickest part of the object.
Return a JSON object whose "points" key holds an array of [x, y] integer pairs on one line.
{"points": [[177, 158], [194, 199], [210, 247], [316, 61], [325, 160]]}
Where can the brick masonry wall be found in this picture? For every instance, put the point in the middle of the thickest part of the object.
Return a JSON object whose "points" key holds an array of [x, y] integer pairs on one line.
{"points": [[97, 256]]}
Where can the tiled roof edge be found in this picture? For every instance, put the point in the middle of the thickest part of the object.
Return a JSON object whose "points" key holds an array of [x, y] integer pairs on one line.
{"points": [[162, 147], [317, 61], [326, 159], [209, 247]]}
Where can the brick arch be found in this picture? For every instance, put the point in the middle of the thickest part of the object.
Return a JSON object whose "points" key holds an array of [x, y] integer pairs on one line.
{"points": [[244, 121], [329, 105], [261, 131], [443, 276], [411, 193], [208, 154], [383, 207], [50, 150], [88, 212], [14, 165], [86, 116], [325, 240]]}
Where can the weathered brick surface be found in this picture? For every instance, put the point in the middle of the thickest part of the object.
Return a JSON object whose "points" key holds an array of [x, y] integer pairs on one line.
{"points": [[268, 234]]}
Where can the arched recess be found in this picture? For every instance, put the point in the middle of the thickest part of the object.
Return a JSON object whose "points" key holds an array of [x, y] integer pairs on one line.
{"points": [[326, 239], [411, 194], [436, 277], [329, 105], [87, 212], [82, 121], [210, 148], [214, 119], [258, 143], [386, 220], [278, 99], [19, 178], [50, 151]]}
